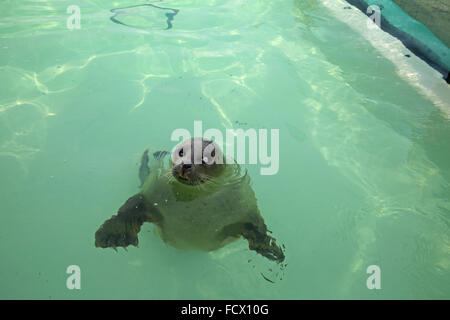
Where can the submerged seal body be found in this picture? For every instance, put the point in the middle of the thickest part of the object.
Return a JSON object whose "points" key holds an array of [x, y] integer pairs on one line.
{"points": [[196, 202]]}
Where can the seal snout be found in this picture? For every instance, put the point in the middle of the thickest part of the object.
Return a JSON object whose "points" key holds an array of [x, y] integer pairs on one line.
{"points": [[186, 167], [185, 171]]}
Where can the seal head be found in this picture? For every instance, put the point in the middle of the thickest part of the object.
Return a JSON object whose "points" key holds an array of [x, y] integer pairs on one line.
{"points": [[196, 160]]}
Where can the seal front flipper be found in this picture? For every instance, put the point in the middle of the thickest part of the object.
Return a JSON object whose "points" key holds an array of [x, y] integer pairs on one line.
{"points": [[144, 170], [259, 241], [160, 154], [254, 230], [121, 230]]}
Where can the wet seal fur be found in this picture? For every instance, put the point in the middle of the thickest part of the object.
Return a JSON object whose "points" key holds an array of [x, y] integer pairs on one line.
{"points": [[197, 202]]}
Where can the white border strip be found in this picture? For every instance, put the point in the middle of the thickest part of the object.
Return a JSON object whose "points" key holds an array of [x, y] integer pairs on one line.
{"points": [[414, 70]]}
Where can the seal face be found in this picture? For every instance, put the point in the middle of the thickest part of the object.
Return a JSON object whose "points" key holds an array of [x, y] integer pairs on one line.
{"points": [[197, 202], [197, 160]]}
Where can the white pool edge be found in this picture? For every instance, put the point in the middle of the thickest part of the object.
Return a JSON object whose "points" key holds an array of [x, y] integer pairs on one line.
{"points": [[414, 70]]}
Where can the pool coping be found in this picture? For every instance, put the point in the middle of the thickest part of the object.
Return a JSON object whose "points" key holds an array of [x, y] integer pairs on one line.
{"points": [[408, 66], [414, 44]]}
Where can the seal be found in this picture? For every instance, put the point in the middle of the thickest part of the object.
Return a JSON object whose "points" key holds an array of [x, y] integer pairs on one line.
{"points": [[197, 201]]}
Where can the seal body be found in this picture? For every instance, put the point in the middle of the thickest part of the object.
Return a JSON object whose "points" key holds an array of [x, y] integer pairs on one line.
{"points": [[195, 218], [195, 201]]}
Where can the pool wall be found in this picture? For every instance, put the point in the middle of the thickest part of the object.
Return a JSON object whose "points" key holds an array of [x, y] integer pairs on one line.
{"points": [[412, 33], [432, 13]]}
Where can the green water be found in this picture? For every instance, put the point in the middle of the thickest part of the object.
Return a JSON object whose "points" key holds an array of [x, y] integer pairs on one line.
{"points": [[364, 175]]}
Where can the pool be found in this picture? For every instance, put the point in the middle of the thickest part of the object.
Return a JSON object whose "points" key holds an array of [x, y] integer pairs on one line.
{"points": [[364, 147]]}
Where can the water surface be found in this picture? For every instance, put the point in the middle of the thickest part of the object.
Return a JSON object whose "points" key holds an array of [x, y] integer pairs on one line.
{"points": [[364, 156]]}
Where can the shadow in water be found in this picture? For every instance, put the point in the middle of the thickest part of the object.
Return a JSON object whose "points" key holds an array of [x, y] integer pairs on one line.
{"points": [[143, 16]]}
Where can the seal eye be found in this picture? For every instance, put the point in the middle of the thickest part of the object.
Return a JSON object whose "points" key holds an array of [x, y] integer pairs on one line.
{"points": [[213, 153], [181, 153]]}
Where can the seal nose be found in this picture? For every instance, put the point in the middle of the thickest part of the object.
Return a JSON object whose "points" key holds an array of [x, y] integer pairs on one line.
{"points": [[185, 167]]}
